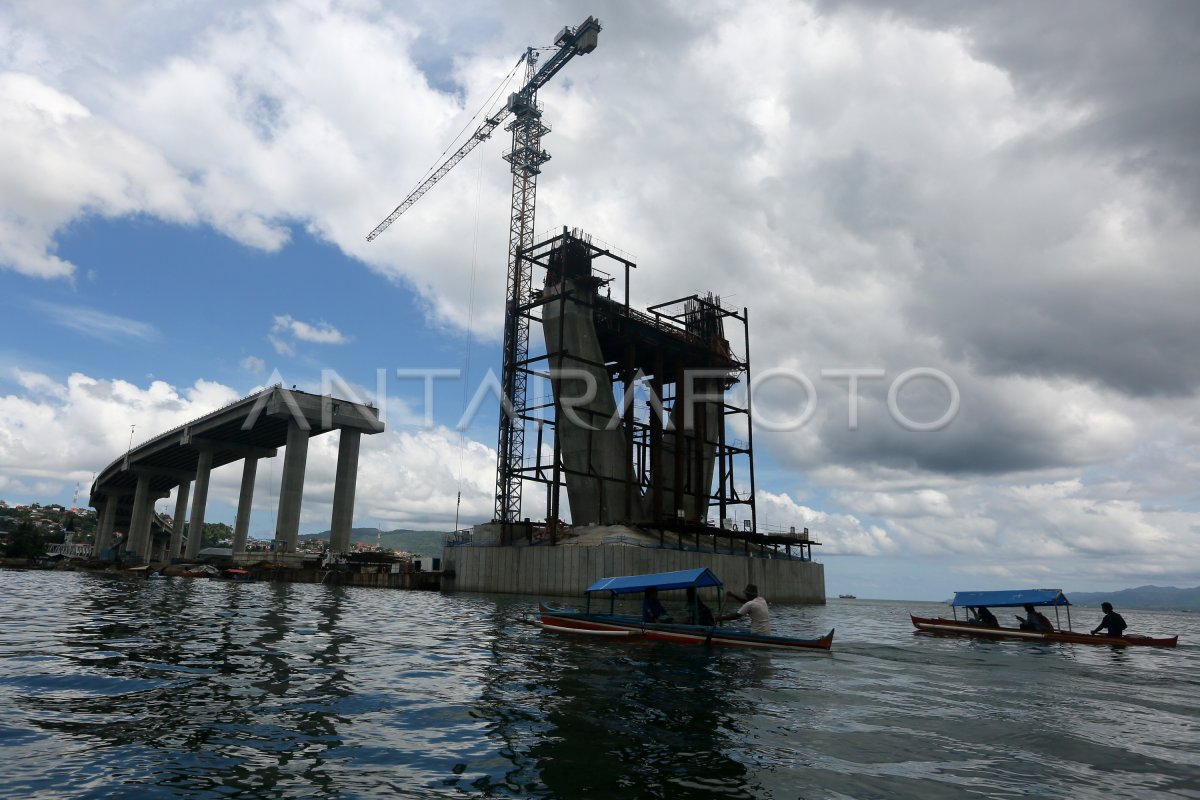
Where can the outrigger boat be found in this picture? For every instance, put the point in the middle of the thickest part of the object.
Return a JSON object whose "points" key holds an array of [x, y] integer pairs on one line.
{"points": [[1016, 599], [614, 625]]}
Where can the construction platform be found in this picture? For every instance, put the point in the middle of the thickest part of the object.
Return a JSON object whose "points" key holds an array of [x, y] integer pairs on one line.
{"points": [[483, 562]]}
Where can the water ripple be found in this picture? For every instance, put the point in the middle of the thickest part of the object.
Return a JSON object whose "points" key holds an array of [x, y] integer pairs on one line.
{"points": [[196, 688]]}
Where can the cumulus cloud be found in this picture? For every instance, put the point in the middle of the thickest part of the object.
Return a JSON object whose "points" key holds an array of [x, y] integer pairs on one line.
{"points": [[409, 479], [62, 161], [69, 430], [319, 333], [286, 331], [839, 534]]}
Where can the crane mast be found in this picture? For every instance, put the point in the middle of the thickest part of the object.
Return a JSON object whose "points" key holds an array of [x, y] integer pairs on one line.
{"points": [[526, 157]]}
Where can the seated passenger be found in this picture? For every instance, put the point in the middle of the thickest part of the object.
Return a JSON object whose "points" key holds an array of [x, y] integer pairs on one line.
{"points": [[698, 613], [985, 618], [652, 608], [1035, 621]]}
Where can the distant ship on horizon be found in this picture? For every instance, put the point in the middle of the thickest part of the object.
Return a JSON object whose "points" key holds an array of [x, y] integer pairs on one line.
{"points": [[846, 597]]}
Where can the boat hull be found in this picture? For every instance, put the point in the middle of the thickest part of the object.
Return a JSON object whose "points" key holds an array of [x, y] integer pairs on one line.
{"points": [[563, 621], [951, 627]]}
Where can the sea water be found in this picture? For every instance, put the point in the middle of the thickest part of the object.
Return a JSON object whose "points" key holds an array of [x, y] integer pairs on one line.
{"points": [[180, 687]]}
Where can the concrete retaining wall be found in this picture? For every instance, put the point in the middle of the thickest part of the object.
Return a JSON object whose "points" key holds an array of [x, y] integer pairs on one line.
{"points": [[379, 580], [566, 571]]}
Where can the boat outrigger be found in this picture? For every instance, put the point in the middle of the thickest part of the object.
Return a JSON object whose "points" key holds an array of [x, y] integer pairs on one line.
{"points": [[614, 625], [1017, 599]]}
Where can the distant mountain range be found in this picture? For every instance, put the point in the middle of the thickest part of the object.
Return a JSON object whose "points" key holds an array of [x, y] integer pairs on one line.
{"points": [[422, 543], [1149, 598]]}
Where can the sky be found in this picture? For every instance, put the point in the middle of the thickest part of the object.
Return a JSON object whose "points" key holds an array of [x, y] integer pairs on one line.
{"points": [[988, 214]]}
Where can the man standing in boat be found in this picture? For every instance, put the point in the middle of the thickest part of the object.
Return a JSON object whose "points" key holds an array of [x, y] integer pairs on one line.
{"points": [[1113, 623], [754, 607]]}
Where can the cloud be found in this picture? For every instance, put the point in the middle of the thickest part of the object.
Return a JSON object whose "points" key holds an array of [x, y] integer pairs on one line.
{"points": [[282, 347], [62, 162], [93, 323], [38, 384], [285, 331], [253, 365], [839, 534], [409, 479], [70, 430], [320, 333]]}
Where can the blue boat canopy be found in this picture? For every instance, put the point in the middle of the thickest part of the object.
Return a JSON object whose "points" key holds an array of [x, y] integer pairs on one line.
{"points": [[680, 579], [1012, 597]]}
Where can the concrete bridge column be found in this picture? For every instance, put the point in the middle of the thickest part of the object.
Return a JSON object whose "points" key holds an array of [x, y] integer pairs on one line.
{"points": [[199, 501], [344, 485], [139, 522], [241, 525], [147, 533], [291, 489], [104, 531], [177, 522]]}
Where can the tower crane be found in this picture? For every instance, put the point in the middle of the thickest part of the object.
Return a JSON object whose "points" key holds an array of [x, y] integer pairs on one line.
{"points": [[526, 158]]}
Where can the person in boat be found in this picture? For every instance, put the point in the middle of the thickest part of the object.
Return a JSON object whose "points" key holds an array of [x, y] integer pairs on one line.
{"points": [[1113, 623], [698, 613], [985, 618], [1035, 620], [754, 607], [652, 607]]}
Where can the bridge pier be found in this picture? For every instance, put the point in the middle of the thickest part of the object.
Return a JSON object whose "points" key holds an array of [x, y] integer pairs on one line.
{"points": [[241, 524], [291, 489], [344, 484], [199, 501], [104, 530], [179, 520], [139, 523]]}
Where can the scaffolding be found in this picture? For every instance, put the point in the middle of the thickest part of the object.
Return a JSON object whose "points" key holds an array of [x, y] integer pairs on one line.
{"points": [[676, 441]]}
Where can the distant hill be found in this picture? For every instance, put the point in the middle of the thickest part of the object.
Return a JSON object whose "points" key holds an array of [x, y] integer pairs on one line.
{"points": [[1149, 598], [422, 543]]}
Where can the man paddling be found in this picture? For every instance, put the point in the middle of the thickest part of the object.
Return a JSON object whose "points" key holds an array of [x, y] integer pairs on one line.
{"points": [[754, 607], [1113, 623]]}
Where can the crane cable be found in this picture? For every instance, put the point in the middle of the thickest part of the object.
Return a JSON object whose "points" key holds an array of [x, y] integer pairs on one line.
{"points": [[462, 432], [488, 104]]}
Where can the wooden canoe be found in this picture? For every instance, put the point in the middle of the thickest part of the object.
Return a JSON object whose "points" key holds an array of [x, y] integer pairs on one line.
{"points": [[951, 627], [564, 621]]}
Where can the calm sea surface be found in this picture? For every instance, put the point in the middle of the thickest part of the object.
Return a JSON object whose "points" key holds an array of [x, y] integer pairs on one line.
{"points": [[195, 688]]}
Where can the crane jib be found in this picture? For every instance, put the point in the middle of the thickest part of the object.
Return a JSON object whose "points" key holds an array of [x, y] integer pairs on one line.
{"points": [[482, 133], [580, 41]]}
